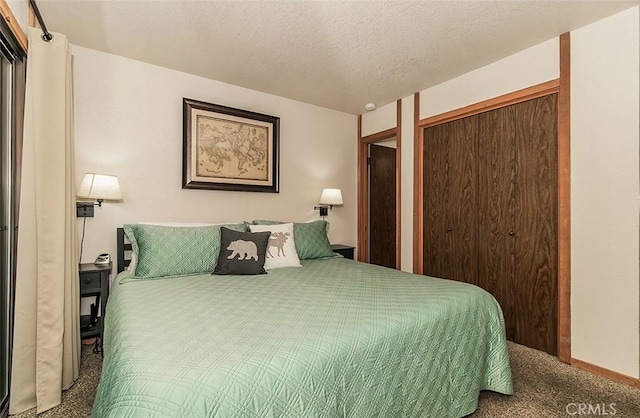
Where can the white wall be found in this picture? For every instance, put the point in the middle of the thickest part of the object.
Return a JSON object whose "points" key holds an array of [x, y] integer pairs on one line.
{"points": [[379, 120], [128, 122], [406, 177], [527, 68], [604, 192], [388, 143]]}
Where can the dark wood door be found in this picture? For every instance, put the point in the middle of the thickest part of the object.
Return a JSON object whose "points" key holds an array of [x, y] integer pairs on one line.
{"points": [[535, 244], [517, 224], [450, 205], [436, 247], [490, 212], [496, 210], [382, 206]]}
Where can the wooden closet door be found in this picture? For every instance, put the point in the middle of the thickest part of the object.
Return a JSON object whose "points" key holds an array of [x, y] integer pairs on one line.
{"points": [[436, 248], [462, 199], [451, 200], [496, 211], [518, 218], [535, 239]]}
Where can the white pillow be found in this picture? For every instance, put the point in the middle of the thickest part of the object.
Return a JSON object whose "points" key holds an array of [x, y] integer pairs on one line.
{"points": [[281, 251], [179, 224]]}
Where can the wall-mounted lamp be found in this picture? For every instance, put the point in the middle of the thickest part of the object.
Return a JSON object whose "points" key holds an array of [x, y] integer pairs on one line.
{"points": [[98, 187], [329, 198]]}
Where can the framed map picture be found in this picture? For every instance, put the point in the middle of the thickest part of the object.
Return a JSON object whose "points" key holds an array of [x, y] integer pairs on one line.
{"points": [[229, 149]]}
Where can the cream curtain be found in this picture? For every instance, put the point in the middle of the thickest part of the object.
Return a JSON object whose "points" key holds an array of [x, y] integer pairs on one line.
{"points": [[46, 345]]}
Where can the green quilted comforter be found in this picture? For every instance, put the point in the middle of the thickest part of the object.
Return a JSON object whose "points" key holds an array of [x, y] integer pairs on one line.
{"points": [[335, 338]]}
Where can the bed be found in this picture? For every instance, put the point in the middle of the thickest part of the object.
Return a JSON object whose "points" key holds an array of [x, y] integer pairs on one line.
{"points": [[332, 338]]}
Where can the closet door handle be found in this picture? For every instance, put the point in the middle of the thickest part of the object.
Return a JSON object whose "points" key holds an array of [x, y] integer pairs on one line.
{"points": [[511, 233], [449, 230]]}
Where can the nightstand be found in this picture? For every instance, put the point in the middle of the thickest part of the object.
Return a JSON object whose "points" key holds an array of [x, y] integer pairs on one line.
{"points": [[346, 251], [94, 281]]}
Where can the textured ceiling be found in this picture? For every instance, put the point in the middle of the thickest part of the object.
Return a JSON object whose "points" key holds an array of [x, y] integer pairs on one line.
{"points": [[336, 54]]}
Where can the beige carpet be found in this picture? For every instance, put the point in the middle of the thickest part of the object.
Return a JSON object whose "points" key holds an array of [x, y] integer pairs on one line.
{"points": [[544, 387]]}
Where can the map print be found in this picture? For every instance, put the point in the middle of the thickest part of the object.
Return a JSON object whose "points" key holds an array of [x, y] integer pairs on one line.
{"points": [[231, 150]]}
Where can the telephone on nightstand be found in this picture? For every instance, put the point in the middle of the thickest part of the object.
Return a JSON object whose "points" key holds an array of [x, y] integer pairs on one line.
{"points": [[102, 259]]}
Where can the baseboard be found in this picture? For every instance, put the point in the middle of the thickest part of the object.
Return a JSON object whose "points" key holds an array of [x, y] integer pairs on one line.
{"points": [[606, 373]]}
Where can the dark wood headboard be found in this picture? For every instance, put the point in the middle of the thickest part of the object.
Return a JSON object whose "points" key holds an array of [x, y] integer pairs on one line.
{"points": [[124, 250]]}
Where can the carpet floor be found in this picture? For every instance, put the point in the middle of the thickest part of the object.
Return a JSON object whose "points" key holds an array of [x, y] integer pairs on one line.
{"points": [[544, 387]]}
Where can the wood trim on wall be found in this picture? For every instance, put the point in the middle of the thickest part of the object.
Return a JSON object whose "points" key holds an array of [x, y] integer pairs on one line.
{"points": [[398, 185], [564, 201], [32, 17], [379, 136], [606, 373], [508, 99], [8, 16], [418, 187], [363, 196]]}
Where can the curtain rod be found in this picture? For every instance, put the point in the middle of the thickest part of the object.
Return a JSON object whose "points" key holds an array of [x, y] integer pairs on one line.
{"points": [[46, 36]]}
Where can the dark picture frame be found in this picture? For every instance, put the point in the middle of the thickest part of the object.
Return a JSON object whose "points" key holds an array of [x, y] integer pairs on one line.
{"points": [[229, 149]]}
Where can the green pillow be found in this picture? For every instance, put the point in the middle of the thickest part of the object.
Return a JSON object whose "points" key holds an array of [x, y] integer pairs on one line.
{"points": [[310, 238], [173, 250], [267, 222]]}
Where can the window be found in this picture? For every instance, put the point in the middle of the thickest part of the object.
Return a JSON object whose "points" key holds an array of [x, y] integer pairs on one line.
{"points": [[12, 79]]}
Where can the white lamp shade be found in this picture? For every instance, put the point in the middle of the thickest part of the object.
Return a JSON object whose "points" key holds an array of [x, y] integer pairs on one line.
{"points": [[100, 186], [331, 197]]}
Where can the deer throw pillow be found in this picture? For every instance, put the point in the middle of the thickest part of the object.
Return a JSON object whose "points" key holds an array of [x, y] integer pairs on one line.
{"points": [[241, 252], [281, 249]]}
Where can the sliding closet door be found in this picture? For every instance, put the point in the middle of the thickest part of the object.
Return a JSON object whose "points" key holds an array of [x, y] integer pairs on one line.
{"points": [[535, 242], [450, 204]]}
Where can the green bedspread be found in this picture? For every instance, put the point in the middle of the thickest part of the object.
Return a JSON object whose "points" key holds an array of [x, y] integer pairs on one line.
{"points": [[335, 338]]}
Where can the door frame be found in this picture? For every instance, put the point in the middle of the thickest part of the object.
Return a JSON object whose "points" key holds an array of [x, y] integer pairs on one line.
{"points": [[561, 86], [363, 184]]}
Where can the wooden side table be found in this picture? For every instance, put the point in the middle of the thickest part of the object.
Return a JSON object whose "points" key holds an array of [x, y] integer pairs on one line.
{"points": [[94, 281], [346, 251]]}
